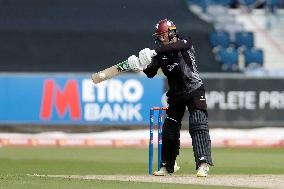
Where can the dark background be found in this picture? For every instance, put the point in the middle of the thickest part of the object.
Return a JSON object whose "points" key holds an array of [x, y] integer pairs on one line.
{"points": [[90, 35]]}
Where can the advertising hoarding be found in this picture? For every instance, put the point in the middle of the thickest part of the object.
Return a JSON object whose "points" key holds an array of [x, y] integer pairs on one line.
{"points": [[74, 99]]}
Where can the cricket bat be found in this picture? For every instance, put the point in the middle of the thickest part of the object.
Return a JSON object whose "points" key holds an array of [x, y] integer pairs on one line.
{"points": [[110, 72]]}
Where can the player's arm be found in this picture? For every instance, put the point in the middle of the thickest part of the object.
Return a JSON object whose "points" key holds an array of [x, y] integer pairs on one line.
{"points": [[180, 45], [152, 68]]}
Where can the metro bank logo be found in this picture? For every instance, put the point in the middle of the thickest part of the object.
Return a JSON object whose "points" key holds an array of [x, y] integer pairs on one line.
{"points": [[63, 100], [115, 100]]}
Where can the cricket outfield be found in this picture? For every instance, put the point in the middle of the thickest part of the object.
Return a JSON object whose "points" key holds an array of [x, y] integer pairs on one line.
{"points": [[35, 168]]}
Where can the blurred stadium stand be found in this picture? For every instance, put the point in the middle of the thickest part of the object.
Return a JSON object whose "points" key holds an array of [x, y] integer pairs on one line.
{"points": [[253, 58], [220, 39], [268, 35], [89, 35], [246, 28], [228, 58], [244, 39]]}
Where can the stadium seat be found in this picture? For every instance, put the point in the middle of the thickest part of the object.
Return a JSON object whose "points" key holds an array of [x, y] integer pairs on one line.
{"points": [[223, 2], [219, 39], [253, 58], [232, 29], [273, 3], [247, 2], [229, 59], [244, 39]]}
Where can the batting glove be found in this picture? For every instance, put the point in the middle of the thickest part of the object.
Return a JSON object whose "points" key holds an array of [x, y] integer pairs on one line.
{"points": [[134, 64], [145, 56]]}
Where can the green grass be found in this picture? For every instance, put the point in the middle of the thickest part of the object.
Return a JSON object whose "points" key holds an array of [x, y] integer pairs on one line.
{"points": [[15, 163]]}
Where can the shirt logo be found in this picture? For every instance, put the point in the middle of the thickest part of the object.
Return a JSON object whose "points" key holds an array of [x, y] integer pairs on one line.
{"points": [[164, 58], [171, 67]]}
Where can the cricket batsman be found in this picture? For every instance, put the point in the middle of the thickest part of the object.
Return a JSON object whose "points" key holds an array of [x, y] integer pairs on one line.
{"points": [[175, 56]]}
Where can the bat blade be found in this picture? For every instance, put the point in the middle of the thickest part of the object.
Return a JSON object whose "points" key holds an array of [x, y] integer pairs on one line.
{"points": [[110, 72]]}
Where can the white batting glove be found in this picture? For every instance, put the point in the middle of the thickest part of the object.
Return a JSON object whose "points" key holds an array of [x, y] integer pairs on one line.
{"points": [[134, 64], [145, 56]]}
